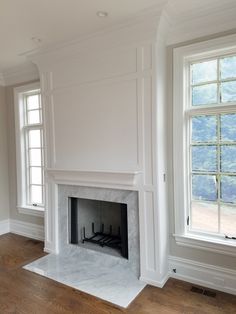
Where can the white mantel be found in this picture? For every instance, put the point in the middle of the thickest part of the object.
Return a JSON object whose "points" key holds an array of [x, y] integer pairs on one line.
{"points": [[123, 179]]}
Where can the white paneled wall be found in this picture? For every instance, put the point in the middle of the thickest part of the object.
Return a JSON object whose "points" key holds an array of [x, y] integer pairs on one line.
{"points": [[101, 117]]}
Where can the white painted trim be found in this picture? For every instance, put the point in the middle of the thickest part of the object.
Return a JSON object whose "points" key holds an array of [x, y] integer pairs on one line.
{"points": [[4, 226], [27, 229], [24, 73], [139, 29], [28, 210], [201, 21], [98, 178], [155, 283], [224, 246], [206, 275]]}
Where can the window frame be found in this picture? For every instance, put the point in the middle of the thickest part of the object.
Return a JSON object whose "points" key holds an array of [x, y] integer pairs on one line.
{"points": [[182, 57], [21, 126]]}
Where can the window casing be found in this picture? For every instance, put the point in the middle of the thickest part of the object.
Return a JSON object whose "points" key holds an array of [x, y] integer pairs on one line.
{"points": [[29, 150], [200, 155]]}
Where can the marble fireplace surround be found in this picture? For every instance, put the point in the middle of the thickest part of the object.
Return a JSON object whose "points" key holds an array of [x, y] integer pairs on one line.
{"points": [[111, 278], [101, 194]]}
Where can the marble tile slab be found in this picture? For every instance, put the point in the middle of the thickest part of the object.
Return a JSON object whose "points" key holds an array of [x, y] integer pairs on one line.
{"points": [[95, 273]]}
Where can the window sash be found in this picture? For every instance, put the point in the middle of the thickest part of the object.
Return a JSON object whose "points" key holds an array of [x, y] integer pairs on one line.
{"points": [[28, 166], [218, 173]]}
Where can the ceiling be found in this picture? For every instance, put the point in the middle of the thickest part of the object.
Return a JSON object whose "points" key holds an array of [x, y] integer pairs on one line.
{"points": [[51, 22], [55, 21]]}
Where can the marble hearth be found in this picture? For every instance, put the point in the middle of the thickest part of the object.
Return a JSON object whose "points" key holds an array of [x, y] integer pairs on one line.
{"points": [[97, 272]]}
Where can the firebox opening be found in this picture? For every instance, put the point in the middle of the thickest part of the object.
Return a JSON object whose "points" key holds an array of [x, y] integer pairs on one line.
{"points": [[99, 225]]}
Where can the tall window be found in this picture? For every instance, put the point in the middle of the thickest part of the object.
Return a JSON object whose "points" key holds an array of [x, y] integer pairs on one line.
{"points": [[212, 154], [30, 149], [205, 143]]}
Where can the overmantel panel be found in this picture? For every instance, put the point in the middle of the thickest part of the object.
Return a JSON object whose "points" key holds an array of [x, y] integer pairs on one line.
{"points": [[95, 126]]}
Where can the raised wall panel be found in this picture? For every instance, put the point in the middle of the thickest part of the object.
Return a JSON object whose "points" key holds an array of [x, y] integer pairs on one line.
{"points": [[96, 126], [147, 124], [119, 62], [146, 57], [150, 231]]}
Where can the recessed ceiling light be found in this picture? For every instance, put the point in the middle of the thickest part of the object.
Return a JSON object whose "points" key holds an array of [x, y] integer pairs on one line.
{"points": [[102, 14]]}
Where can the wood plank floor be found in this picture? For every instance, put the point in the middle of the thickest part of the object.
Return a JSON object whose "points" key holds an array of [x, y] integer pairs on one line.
{"points": [[23, 292]]}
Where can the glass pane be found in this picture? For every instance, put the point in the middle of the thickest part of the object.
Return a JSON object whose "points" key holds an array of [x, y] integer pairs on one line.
{"points": [[36, 194], [228, 189], [228, 158], [34, 138], [228, 67], [228, 220], [204, 72], [204, 95], [204, 187], [35, 157], [204, 158], [228, 127], [34, 117], [35, 175], [204, 129], [33, 102], [228, 91], [205, 216]]}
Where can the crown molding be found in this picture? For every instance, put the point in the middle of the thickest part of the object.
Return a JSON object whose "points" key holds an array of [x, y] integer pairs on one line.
{"points": [[205, 20], [142, 28], [20, 74]]}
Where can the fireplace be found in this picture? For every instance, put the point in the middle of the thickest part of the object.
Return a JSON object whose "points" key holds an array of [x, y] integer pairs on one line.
{"points": [[99, 224], [109, 209]]}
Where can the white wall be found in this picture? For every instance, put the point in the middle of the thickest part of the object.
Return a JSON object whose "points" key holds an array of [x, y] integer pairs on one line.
{"points": [[4, 184]]}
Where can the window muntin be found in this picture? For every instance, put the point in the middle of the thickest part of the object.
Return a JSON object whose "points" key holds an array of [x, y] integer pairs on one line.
{"points": [[213, 81], [33, 146], [212, 147]]}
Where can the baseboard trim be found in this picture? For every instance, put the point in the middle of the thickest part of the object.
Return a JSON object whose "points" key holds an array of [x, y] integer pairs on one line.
{"points": [[206, 275], [159, 284], [4, 226], [27, 229]]}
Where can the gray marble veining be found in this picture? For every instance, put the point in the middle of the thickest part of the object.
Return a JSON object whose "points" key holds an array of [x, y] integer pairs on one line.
{"points": [[95, 273], [102, 194], [106, 276]]}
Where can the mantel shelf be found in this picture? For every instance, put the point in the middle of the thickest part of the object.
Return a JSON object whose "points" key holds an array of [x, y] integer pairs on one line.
{"points": [[95, 177]]}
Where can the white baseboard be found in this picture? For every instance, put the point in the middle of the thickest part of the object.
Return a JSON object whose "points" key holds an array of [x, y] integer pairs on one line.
{"points": [[26, 229], [155, 283], [4, 226], [206, 275]]}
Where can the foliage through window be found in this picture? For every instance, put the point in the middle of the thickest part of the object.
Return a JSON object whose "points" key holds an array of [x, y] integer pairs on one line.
{"points": [[212, 146]]}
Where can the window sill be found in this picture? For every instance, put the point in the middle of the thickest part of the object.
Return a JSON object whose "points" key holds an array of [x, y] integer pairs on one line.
{"points": [[226, 247], [31, 210]]}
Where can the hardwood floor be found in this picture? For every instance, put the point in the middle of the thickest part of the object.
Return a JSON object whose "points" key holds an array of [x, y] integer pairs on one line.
{"points": [[23, 292]]}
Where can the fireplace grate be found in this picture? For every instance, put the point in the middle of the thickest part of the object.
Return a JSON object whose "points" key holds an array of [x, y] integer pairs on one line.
{"points": [[103, 239]]}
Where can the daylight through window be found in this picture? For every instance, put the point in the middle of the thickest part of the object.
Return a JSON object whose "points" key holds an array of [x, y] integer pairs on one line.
{"points": [[30, 150], [212, 146]]}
